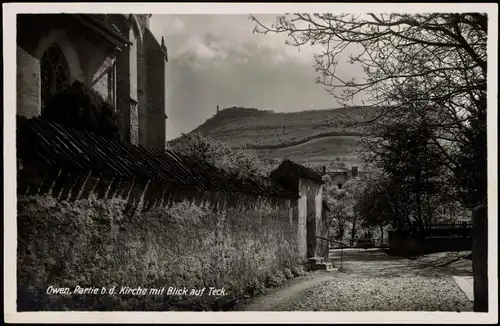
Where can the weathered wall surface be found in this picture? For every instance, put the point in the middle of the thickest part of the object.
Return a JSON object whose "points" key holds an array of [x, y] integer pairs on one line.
{"points": [[302, 220], [154, 133], [133, 53], [140, 217], [323, 245], [87, 56], [66, 185], [28, 84], [91, 242], [103, 80], [313, 193]]}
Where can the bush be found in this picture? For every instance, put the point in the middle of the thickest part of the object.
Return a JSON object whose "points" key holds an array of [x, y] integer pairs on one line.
{"points": [[273, 281], [276, 279], [288, 273], [255, 286], [81, 107], [298, 270]]}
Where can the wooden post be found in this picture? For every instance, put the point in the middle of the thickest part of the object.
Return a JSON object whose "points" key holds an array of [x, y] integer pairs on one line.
{"points": [[480, 258]]}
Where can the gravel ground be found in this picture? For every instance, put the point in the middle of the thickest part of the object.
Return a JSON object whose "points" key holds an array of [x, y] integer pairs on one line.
{"points": [[373, 281], [380, 294]]}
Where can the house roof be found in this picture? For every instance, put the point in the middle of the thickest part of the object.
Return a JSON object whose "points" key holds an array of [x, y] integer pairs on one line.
{"points": [[301, 170], [47, 143]]}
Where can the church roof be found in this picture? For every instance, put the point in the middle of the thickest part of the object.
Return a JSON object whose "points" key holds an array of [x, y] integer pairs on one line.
{"points": [[103, 24], [104, 19]]}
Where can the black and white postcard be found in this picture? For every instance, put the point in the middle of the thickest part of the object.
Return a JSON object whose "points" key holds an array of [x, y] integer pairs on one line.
{"points": [[239, 162]]}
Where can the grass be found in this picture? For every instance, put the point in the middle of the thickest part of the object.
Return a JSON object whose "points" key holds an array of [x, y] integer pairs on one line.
{"points": [[315, 137], [320, 151]]}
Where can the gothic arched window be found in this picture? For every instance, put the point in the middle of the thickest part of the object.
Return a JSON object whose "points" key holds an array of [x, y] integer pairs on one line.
{"points": [[54, 72]]}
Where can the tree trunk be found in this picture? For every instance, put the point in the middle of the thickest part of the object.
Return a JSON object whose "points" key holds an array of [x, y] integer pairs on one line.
{"points": [[381, 235], [480, 258], [353, 231], [419, 210], [429, 210], [419, 199], [341, 230]]}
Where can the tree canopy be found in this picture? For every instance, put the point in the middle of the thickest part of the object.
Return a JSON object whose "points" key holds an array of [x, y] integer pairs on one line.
{"points": [[429, 65], [220, 155]]}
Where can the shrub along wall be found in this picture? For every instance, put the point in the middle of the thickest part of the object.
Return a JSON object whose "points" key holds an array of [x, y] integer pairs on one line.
{"points": [[91, 243]]}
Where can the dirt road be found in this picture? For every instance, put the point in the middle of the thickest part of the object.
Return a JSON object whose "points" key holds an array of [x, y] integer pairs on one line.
{"points": [[371, 280]]}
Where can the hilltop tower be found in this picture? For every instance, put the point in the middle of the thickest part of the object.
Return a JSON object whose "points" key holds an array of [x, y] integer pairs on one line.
{"points": [[217, 109]]}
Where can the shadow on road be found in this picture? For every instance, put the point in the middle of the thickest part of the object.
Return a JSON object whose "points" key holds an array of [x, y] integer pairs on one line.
{"points": [[377, 263]]}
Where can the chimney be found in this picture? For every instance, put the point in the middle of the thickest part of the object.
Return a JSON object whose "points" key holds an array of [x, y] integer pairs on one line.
{"points": [[324, 170], [354, 171]]}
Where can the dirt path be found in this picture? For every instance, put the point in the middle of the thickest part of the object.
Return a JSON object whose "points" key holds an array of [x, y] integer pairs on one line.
{"points": [[371, 281], [286, 293]]}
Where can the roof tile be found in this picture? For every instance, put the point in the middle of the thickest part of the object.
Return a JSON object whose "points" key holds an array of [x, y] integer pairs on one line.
{"points": [[40, 140]]}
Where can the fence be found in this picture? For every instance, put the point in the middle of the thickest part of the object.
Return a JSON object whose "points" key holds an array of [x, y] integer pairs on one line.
{"points": [[432, 238], [363, 242], [448, 230]]}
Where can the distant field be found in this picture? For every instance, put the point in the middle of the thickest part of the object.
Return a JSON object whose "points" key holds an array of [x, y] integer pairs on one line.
{"points": [[317, 151], [313, 137]]}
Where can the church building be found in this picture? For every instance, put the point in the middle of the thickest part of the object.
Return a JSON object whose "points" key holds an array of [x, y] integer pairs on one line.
{"points": [[116, 54]]}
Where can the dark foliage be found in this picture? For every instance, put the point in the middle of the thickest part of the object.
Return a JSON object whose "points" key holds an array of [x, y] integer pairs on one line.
{"points": [[471, 171], [81, 107]]}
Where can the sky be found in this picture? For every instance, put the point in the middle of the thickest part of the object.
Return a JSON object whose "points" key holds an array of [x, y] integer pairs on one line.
{"points": [[218, 60]]}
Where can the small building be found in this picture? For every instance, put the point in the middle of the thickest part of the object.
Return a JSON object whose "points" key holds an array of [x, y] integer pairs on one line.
{"points": [[341, 175], [309, 186], [115, 54]]}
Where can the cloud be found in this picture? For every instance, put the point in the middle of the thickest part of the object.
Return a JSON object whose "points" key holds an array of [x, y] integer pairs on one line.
{"points": [[218, 60]]}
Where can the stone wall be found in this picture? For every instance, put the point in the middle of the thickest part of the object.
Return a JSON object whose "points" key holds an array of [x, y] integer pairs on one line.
{"points": [[92, 243], [69, 185], [93, 211]]}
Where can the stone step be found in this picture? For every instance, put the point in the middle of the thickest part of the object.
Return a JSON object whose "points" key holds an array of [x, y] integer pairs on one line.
{"points": [[325, 267], [316, 260], [320, 263]]}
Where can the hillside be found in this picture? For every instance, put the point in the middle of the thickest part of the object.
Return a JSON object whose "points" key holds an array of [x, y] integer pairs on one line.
{"points": [[310, 137]]}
